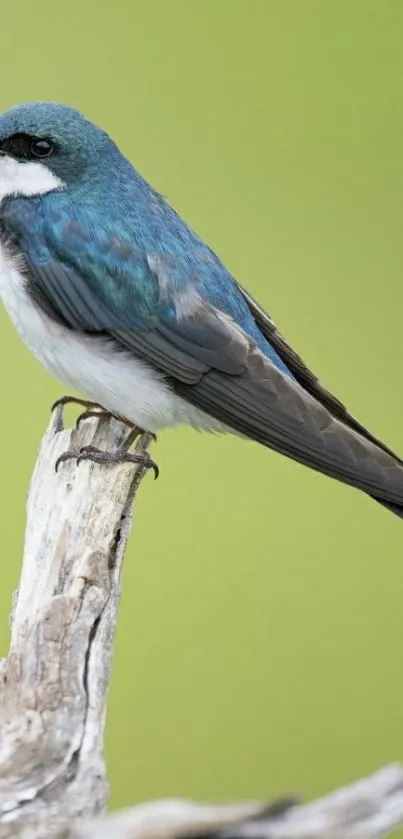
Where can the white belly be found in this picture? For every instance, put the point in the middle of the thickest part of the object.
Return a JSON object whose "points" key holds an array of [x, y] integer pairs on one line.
{"points": [[114, 379]]}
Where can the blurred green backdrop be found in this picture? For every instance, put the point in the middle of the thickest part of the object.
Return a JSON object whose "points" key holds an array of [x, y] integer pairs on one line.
{"points": [[259, 640]]}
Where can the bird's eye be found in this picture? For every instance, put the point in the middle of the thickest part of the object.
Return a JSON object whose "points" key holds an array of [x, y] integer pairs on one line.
{"points": [[27, 147], [39, 147]]}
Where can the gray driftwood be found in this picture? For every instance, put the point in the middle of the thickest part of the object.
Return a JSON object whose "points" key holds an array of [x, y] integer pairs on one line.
{"points": [[53, 685]]}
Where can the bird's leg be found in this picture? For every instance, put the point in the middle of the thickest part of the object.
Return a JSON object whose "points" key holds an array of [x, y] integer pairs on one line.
{"points": [[120, 455], [75, 400], [95, 411], [99, 413]]}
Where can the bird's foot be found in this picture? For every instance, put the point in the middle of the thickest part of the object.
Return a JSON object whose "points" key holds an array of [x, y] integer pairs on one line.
{"points": [[98, 456], [102, 413], [60, 404], [75, 400], [120, 455], [95, 411]]}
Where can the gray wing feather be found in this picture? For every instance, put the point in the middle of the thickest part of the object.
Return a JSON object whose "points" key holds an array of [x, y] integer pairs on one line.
{"points": [[213, 365], [302, 373], [275, 411]]}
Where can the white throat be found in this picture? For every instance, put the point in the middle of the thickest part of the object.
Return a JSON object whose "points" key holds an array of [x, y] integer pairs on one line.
{"points": [[31, 178]]}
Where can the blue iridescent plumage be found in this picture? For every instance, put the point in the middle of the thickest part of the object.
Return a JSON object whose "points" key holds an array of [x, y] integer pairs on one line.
{"points": [[114, 249], [117, 296]]}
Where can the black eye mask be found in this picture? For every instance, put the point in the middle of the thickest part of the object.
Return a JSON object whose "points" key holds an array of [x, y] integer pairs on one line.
{"points": [[27, 147]]}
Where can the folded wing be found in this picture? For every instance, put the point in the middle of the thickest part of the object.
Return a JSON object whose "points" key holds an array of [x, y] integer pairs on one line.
{"points": [[214, 365]]}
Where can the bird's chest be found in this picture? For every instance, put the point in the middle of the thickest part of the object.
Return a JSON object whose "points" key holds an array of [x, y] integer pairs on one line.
{"points": [[35, 328], [114, 379]]}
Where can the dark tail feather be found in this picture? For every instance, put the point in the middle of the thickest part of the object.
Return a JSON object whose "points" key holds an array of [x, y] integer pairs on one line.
{"points": [[397, 509]]}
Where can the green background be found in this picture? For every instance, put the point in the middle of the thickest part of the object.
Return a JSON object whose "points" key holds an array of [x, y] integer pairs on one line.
{"points": [[260, 634]]}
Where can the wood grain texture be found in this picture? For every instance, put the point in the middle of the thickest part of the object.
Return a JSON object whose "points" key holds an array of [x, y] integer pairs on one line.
{"points": [[53, 685], [55, 681]]}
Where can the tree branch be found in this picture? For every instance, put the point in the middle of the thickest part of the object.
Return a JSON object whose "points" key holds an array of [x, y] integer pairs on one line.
{"points": [[54, 682], [367, 809], [57, 673]]}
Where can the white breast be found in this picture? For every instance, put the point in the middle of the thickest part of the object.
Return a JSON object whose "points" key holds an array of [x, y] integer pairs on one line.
{"points": [[94, 366], [103, 373]]}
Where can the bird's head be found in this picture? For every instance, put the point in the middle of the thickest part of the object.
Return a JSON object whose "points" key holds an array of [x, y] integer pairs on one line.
{"points": [[45, 146]]}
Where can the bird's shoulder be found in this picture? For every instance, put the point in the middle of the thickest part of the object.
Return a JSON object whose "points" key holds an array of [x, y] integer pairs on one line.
{"points": [[139, 254]]}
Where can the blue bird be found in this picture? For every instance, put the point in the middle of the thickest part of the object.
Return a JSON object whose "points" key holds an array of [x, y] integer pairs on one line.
{"points": [[119, 299]]}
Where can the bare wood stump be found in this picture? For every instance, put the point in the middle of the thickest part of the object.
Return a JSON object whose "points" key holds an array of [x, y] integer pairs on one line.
{"points": [[53, 685]]}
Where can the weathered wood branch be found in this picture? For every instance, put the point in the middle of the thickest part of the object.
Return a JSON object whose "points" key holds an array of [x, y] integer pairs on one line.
{"points": [[53, 685], [57, 672]]}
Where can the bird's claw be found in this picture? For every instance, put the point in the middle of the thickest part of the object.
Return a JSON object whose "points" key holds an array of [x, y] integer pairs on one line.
{"points": [[91, 453], [60, 404], [74, 400], [63, 457], [122, 455], [98, 456], [94, 411]]}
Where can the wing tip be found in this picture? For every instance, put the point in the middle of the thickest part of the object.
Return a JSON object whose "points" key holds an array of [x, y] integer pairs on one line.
{"points": [[397, 509]]}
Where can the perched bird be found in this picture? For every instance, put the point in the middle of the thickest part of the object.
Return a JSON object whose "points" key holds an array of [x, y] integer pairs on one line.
{"points": [[118, 298]]}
